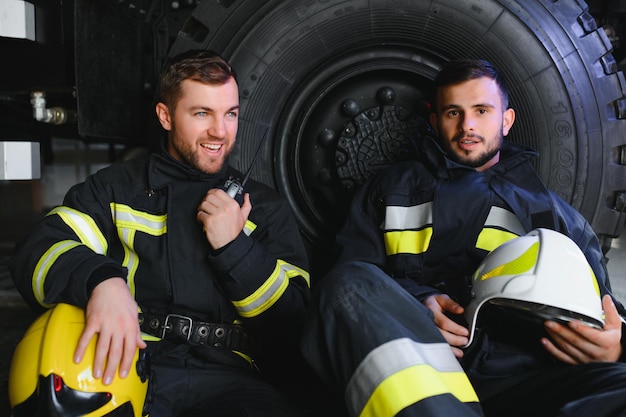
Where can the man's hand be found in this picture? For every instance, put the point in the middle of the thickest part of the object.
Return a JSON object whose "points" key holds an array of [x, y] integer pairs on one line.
{"points": [[112, 315], [578, 343], [455, 334], [221, 217]]}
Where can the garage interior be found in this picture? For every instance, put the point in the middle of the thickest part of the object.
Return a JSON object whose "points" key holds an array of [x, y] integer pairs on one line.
{"points": [[67, 158]]}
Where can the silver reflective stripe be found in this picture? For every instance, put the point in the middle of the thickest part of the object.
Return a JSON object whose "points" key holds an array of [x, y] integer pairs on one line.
{"points": [[500, 226], [248, 228], [502, 218], [392, 358], [128, 222], [84, 227], [126, 217], [271, 290], [405, 218], [43, 266], [88, 234], [131, 260]]}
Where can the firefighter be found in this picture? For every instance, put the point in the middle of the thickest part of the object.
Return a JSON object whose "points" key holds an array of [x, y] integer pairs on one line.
{"points": [[387, 329], [161, 257]]}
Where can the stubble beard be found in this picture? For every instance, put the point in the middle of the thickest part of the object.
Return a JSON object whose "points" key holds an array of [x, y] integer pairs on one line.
{"points": [[466, 158], [191, 156]]}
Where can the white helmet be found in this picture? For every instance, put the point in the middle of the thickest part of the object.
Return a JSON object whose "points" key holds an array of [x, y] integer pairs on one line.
{"points": [[543, 274]]}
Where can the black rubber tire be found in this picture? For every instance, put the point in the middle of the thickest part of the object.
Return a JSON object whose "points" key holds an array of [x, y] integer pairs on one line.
{"points": [[337, 83]]}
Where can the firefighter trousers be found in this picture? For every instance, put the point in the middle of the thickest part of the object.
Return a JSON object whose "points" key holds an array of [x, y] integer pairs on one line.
{"points": [[516, 384], [210, 382], [376, 344]]}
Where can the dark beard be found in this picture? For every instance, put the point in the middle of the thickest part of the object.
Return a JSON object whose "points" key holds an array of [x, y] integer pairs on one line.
{"points": [[189, 157], [472, 163]]}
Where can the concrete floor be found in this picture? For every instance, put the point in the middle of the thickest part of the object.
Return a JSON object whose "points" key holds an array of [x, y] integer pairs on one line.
{"points": [[16, 316]]}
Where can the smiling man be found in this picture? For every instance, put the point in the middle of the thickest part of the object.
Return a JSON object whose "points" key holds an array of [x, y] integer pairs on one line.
{"points": [[199, 135], [221, 288]]}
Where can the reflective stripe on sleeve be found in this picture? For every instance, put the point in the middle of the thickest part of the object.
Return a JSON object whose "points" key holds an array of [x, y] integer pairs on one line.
{"points": [[84, 227], [500, 226], [403, 372], [271, 290], [87, 233], [44, 265]]}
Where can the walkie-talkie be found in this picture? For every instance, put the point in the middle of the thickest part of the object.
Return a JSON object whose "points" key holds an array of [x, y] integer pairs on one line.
{"points": [[233, 187]]}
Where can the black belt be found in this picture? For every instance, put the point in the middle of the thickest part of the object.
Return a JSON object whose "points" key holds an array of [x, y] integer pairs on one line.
{"points": [[183, 329]]}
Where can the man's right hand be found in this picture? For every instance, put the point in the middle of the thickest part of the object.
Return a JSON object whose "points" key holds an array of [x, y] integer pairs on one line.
{"points": [[455, 334], [112, 316], [221, 217]]}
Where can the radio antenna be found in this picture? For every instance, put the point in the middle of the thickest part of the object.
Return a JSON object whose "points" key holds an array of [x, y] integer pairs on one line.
{"points": [[256, 155]]}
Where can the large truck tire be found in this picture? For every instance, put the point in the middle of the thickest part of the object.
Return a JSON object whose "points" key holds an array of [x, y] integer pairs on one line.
{"points": [[343, 85]]}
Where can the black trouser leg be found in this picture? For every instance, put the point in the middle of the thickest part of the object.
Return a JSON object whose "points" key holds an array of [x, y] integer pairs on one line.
{"points": [[378, 345]]}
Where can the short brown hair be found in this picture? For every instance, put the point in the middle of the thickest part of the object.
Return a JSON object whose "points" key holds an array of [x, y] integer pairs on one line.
{"points": [[203, 66]]}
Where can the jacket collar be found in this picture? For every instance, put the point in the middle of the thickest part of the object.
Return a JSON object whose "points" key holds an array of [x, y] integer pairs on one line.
{"points": [[511, 155], [164, 169]]}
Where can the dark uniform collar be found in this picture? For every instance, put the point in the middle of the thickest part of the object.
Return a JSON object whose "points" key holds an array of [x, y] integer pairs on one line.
{"points": [[511, 155], [164, 169]]}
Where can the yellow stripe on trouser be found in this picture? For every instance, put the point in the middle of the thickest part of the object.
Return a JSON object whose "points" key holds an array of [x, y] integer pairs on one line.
{"points": [[403, 372], [404, 388]]}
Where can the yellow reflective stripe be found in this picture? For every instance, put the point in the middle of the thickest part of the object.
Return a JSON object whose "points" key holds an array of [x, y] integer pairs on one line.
{"points": [[131, 260], [249, 227], [596, 286], [128, 222], [413, 217], [408, 229], [84, 227], [523, 263], [126, 217], [243, 355], [489, 239], [402, 372], [500, 226], [271, 290], [392, 395], [408, 241], [43, 267], [149, 338]]}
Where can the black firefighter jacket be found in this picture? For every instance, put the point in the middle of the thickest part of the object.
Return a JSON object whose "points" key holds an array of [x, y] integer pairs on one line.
{"points": [[137, 220], [429, 222]]}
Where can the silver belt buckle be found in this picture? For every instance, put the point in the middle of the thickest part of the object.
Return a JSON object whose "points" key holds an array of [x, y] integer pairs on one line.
{"points": [[178, 316]]}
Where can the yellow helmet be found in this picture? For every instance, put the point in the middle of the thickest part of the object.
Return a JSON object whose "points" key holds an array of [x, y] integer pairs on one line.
{"points": [[45, 381], [542, 274]]}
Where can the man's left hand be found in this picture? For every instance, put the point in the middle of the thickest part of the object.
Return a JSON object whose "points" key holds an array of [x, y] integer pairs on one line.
{"points": [[576, 342]]}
